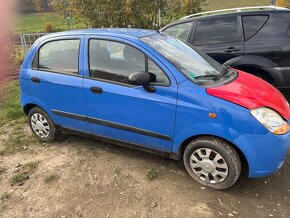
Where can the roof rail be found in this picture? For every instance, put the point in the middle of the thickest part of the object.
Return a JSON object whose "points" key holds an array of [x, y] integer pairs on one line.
{"points": [[271, 7]]}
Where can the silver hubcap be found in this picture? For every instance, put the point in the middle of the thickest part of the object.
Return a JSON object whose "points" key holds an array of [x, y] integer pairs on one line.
{"points": [[40, 125], [209, 165]]}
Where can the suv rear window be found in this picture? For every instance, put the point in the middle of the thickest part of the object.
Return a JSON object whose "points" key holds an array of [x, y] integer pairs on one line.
{"points": [[252, 24], [220, 30]]}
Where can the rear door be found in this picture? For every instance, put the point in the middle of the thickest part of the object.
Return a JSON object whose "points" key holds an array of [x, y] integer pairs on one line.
{"points": [[121, 111], [56, 81], [220, 38]]}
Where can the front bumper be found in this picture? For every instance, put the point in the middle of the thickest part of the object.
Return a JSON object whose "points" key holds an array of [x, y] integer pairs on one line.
{"points": [[265, 153]]}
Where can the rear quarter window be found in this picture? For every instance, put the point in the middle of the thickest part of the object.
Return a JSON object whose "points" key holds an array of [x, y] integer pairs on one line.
{"points": [[252, 24]]}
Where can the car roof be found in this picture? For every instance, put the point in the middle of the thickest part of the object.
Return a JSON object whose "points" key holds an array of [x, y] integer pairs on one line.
{"points": [[127, 32], [260, 12]]}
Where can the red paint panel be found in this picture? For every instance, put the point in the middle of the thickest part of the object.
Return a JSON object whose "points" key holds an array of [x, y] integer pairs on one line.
{"points": [[251, 92]]}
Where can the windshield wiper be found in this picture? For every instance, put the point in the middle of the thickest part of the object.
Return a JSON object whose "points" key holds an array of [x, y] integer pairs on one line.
{"points": [[206, 76]]}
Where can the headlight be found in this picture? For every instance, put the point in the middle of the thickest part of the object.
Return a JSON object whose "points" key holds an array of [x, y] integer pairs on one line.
{"points": [[271, 120]]}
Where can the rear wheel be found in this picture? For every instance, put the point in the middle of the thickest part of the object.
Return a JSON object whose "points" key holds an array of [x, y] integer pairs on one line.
{"points": [[212, 162], [42, 126]]}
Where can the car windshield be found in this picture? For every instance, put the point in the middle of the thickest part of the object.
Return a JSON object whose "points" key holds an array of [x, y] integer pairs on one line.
{"points": [[191, 62]]}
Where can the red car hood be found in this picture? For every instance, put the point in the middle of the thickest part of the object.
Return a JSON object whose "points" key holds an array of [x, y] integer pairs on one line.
{"points": [[252, 92]]}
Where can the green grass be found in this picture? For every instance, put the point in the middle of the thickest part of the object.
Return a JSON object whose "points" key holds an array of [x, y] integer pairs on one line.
{"points": [[2, 170], [13, 118], [50, 178], [34, 22], [223, 4], [4, 196], [19, 178], [152, 174], [24, 172], [10, 107]]}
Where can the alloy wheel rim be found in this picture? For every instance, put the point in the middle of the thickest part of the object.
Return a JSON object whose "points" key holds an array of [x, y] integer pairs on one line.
{"points": [[40, 125], [209, 166]]}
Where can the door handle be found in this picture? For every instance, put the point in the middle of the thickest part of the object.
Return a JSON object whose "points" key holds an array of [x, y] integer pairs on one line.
{"points": [[96, 90], [232, 49], [35, 79]]}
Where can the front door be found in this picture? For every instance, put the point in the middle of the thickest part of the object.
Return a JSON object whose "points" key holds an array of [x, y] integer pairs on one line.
{"points": [[124, 112]]}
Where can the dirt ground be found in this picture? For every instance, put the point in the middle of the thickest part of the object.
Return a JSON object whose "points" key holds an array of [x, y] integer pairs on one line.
{"points": [[80, 177]]}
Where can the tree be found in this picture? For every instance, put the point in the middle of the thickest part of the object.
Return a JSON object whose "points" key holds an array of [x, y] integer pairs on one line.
{"points": [[124, 13], [283, 3]]}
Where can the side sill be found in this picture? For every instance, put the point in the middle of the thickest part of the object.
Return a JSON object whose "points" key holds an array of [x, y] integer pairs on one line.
{"points": [[170, 155]]}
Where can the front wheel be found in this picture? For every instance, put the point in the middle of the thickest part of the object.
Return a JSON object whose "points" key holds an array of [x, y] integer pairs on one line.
{"points": [[212, 162]]}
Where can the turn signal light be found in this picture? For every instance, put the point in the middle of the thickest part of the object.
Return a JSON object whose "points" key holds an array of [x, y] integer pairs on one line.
{"points": [[282, 130]]}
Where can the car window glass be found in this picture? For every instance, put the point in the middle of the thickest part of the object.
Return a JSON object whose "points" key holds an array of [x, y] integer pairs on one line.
{"points": [[161, 78], [60, 56], [114, 61], [180, 30], [252, 24], [218, 30]]}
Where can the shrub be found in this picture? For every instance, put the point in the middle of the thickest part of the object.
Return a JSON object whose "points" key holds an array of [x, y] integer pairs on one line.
{"points": [[48, 27], [16, 57]]}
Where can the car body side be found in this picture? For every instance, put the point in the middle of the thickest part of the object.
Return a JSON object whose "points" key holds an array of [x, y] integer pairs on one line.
{"points": [[233, 123]]}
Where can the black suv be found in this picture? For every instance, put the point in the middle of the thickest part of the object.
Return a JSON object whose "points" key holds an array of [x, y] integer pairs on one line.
{"points": [[256, 42]]}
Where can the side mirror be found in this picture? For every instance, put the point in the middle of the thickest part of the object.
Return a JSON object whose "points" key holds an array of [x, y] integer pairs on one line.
{"points": [[141, 79]]}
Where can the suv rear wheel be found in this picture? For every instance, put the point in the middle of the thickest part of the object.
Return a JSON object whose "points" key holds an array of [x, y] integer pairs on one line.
{"points": [[212, 162]]}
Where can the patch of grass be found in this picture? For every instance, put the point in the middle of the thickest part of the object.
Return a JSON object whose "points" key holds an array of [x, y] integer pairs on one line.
{"points": [[2, 170], [5, 196], [50, 178], [31, 166], [10, 107], [24, 172], [35, 22], [152, 174], [12, 118], [19, 178], [16, 141]]}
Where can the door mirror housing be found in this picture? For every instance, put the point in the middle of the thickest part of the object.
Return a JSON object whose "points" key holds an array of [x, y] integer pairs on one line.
{"points": [[142, 79], [139, 78]]}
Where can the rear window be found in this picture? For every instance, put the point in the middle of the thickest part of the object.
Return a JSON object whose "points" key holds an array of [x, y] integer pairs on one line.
{"points": [[252, 24], [220, 30], [59, 56], [180, 31]]}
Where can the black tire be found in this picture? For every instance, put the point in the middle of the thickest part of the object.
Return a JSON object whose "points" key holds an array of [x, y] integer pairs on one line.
{"points": [[53, 131], [215, 146]]}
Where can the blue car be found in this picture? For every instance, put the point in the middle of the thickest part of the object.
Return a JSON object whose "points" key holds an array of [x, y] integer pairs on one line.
{"points": [[154, 92]]}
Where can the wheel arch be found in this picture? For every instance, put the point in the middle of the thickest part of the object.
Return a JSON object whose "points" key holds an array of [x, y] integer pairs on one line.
{"points": [[28, 107], [254, 64], [245, 164]]}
